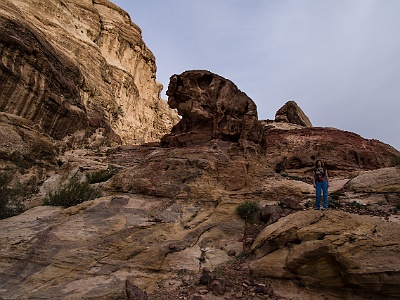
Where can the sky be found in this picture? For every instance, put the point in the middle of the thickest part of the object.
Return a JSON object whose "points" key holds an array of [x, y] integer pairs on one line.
{"points": [[338, 59]]}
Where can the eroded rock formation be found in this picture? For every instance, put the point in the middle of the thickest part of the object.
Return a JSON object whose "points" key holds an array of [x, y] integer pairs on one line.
{"points": [[295, 150], [333, 251], [292, 113], [211, 107], [81, 71]]}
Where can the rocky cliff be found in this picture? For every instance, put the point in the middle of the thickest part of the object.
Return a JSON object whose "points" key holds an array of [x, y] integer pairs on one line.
{"points": [[81, 72], [166, 224]]}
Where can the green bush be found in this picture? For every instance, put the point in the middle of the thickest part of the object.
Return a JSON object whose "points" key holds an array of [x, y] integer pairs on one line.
{"points": [[99, 176], [247, 210], [75, 192], [9, 202]]}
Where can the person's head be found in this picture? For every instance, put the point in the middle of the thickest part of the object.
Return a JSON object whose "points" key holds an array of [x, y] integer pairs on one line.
{"points": [[319, 163]]}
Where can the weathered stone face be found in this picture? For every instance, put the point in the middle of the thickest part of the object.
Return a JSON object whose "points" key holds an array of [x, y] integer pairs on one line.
{"points": [[211, 107], [295, 150], [81, 71], [334, 251]]}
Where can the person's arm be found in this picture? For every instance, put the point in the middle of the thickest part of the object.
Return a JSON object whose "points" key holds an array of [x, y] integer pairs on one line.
{"points": [[313, 179], [327, 177]]}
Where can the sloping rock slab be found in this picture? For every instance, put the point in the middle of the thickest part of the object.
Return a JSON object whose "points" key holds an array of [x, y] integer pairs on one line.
{"points": [[385, 180], [333, 251]]}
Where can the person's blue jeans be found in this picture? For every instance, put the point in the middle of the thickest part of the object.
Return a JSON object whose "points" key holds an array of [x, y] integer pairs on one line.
{"points": [[321, 186]]}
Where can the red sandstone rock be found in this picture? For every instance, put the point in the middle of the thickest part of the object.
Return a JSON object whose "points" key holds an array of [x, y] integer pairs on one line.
{"points": [[211, 107], [295, 151]]}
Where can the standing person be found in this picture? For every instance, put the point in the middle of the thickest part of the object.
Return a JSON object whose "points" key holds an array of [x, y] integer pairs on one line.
{"points": [[320, 182]]}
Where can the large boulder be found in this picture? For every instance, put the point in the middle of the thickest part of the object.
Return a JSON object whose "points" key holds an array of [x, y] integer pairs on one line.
{"points": [[211, 107], [333, 251], [205, 173]]}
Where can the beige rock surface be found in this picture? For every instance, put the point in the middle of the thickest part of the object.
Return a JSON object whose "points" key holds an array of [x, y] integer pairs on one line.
{"points": [[332, 251], [81, 71], [88, 251], [384, 180]]}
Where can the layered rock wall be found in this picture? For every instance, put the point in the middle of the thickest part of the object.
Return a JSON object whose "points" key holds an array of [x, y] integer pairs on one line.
{"points": [[295, 150], [81, 71]]}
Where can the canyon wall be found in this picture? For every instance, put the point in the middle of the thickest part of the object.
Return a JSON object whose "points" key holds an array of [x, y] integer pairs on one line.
{"points": [[81, 72]]}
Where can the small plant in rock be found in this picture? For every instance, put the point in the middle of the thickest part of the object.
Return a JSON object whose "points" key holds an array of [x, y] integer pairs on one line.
{"points": [[336, 195], [99, 176], [247, 211], [355, 204], [335, 203], [309, 204], [10, 204], [396, 208], [75, 192]]}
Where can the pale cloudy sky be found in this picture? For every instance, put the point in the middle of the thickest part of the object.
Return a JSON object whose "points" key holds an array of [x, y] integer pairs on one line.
{"points": [[338, 59]]}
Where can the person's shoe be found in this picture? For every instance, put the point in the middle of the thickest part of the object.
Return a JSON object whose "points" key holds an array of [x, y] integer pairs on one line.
{"points": [[316, 208], [325, 208]]}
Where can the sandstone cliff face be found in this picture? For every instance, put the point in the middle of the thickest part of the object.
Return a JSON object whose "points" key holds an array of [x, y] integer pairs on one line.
{"points": [[81, 71]]}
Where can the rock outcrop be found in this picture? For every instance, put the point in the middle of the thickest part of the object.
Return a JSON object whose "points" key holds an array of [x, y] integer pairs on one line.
{"points": [[384, 180], [211, 107], [292, 113], [294, 151], [336, 251], [81, 72]]}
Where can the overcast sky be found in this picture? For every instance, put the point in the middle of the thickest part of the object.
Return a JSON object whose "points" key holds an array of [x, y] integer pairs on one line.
{"points": [[338, 59]]}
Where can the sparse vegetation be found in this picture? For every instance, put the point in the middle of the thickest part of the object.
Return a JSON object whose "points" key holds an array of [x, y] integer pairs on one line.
{"points": [[396, 208], [309, 204], [336, 195], [75, 192], [395, 161], [247, 211], [99, 176], [334, 203], [10, 205], [355, 204]]}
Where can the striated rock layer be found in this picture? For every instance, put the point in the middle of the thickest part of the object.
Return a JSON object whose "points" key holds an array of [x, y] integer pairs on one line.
{"points": [[295, 150], [333, 251], [81, 71]]}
